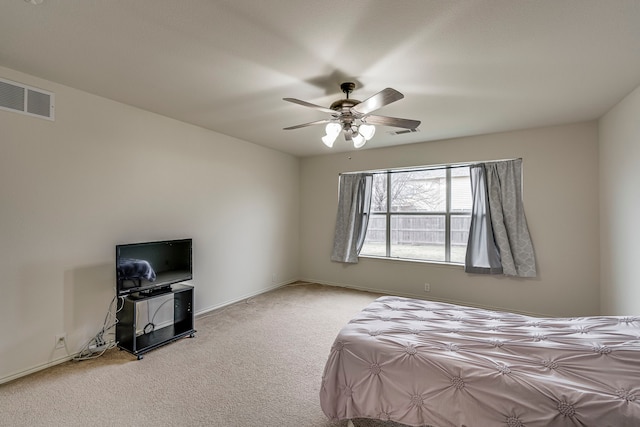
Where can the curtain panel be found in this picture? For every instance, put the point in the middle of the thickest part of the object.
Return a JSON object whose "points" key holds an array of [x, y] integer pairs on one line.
{"points": [[352, 219], [499, 239], [483, 255]]}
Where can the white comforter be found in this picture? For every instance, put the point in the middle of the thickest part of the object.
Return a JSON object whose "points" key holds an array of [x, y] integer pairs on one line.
{"points": [[428, 363]]}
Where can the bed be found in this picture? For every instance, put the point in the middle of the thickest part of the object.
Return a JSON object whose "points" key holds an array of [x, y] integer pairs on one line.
{"points": [[425, 363]]}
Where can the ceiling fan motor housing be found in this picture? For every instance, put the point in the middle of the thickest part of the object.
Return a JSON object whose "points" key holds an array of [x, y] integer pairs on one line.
{"points": [[343, 106]]}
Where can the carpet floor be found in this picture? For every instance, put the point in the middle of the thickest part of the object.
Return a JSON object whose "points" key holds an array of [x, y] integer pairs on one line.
{"points": [[254, 363]]}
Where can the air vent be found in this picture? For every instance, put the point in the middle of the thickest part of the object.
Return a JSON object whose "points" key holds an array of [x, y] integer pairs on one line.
{"points": [[27, 100], [403, 131]]}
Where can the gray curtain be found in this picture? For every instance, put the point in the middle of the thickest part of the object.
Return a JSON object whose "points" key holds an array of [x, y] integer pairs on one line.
{"points": [[354, 205], [483, 255], [503, 191]]}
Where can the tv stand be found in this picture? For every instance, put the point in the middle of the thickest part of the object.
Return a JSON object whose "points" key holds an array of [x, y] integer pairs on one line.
{"points": [[127, 334]]}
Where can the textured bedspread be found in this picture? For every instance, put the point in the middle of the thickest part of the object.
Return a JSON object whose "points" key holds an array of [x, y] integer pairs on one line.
{"points": [[428, 363]]}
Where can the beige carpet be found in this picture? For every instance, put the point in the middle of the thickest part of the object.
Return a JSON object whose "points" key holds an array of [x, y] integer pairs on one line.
{"points": [[254, 363]]}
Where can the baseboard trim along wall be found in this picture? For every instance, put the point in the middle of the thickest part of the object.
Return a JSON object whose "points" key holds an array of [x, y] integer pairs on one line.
{"points": [[208, 310], [36, 368], [422, 297]]}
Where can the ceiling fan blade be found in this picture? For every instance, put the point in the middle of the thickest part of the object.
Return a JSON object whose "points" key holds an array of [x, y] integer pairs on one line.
{"points": [[393, 122], [317, 122], [310, 105], [380, 99]]}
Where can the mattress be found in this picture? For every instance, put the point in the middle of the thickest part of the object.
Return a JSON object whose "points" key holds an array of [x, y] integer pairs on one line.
{"points": [[429, 363]]}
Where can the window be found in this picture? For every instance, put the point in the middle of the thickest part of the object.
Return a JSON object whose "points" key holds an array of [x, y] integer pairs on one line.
{"points": [[421, 214]]}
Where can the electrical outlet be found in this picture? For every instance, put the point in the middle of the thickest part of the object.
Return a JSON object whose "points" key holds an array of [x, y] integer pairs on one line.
{"points": [[427, 287], [61, 340]]}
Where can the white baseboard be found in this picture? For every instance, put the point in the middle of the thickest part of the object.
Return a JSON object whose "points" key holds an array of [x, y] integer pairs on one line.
{"points": [[423, 297], [242, 298], [35, 369]]}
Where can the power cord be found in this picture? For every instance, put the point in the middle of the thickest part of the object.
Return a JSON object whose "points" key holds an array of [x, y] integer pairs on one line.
{"points": [[99, 344]]}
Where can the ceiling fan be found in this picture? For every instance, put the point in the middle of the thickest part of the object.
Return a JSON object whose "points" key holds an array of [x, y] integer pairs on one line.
{"points": [[354, 118]]}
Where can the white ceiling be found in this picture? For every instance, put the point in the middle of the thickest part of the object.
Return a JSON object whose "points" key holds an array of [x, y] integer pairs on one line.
{"points": [[465, 67]]}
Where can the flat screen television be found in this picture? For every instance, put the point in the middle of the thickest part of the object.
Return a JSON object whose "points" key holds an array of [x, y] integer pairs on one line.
{"points": [[151, 267]]}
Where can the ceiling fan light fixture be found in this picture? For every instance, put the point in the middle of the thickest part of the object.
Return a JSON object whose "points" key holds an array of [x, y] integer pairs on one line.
{"points": [[367, 131], [358, 140], [328, 140], [333, 129]]}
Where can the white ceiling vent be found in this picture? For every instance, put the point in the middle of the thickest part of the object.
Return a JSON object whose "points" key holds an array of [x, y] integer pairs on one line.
{"points": [[27, 100], [403, 131]]}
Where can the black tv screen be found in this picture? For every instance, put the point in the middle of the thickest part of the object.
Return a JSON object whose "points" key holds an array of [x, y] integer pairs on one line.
{"points": [[151, 266]]}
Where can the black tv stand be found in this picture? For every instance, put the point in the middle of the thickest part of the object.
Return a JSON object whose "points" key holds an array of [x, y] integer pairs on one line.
{"points": [[136, 342]]}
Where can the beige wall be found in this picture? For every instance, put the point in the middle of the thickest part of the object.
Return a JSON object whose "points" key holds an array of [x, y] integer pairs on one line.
{"points": [[619, 207], [105, 173], [560, 167]]}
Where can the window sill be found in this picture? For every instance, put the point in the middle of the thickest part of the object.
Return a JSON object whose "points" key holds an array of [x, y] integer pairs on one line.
{"points": [[416, 261]]}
